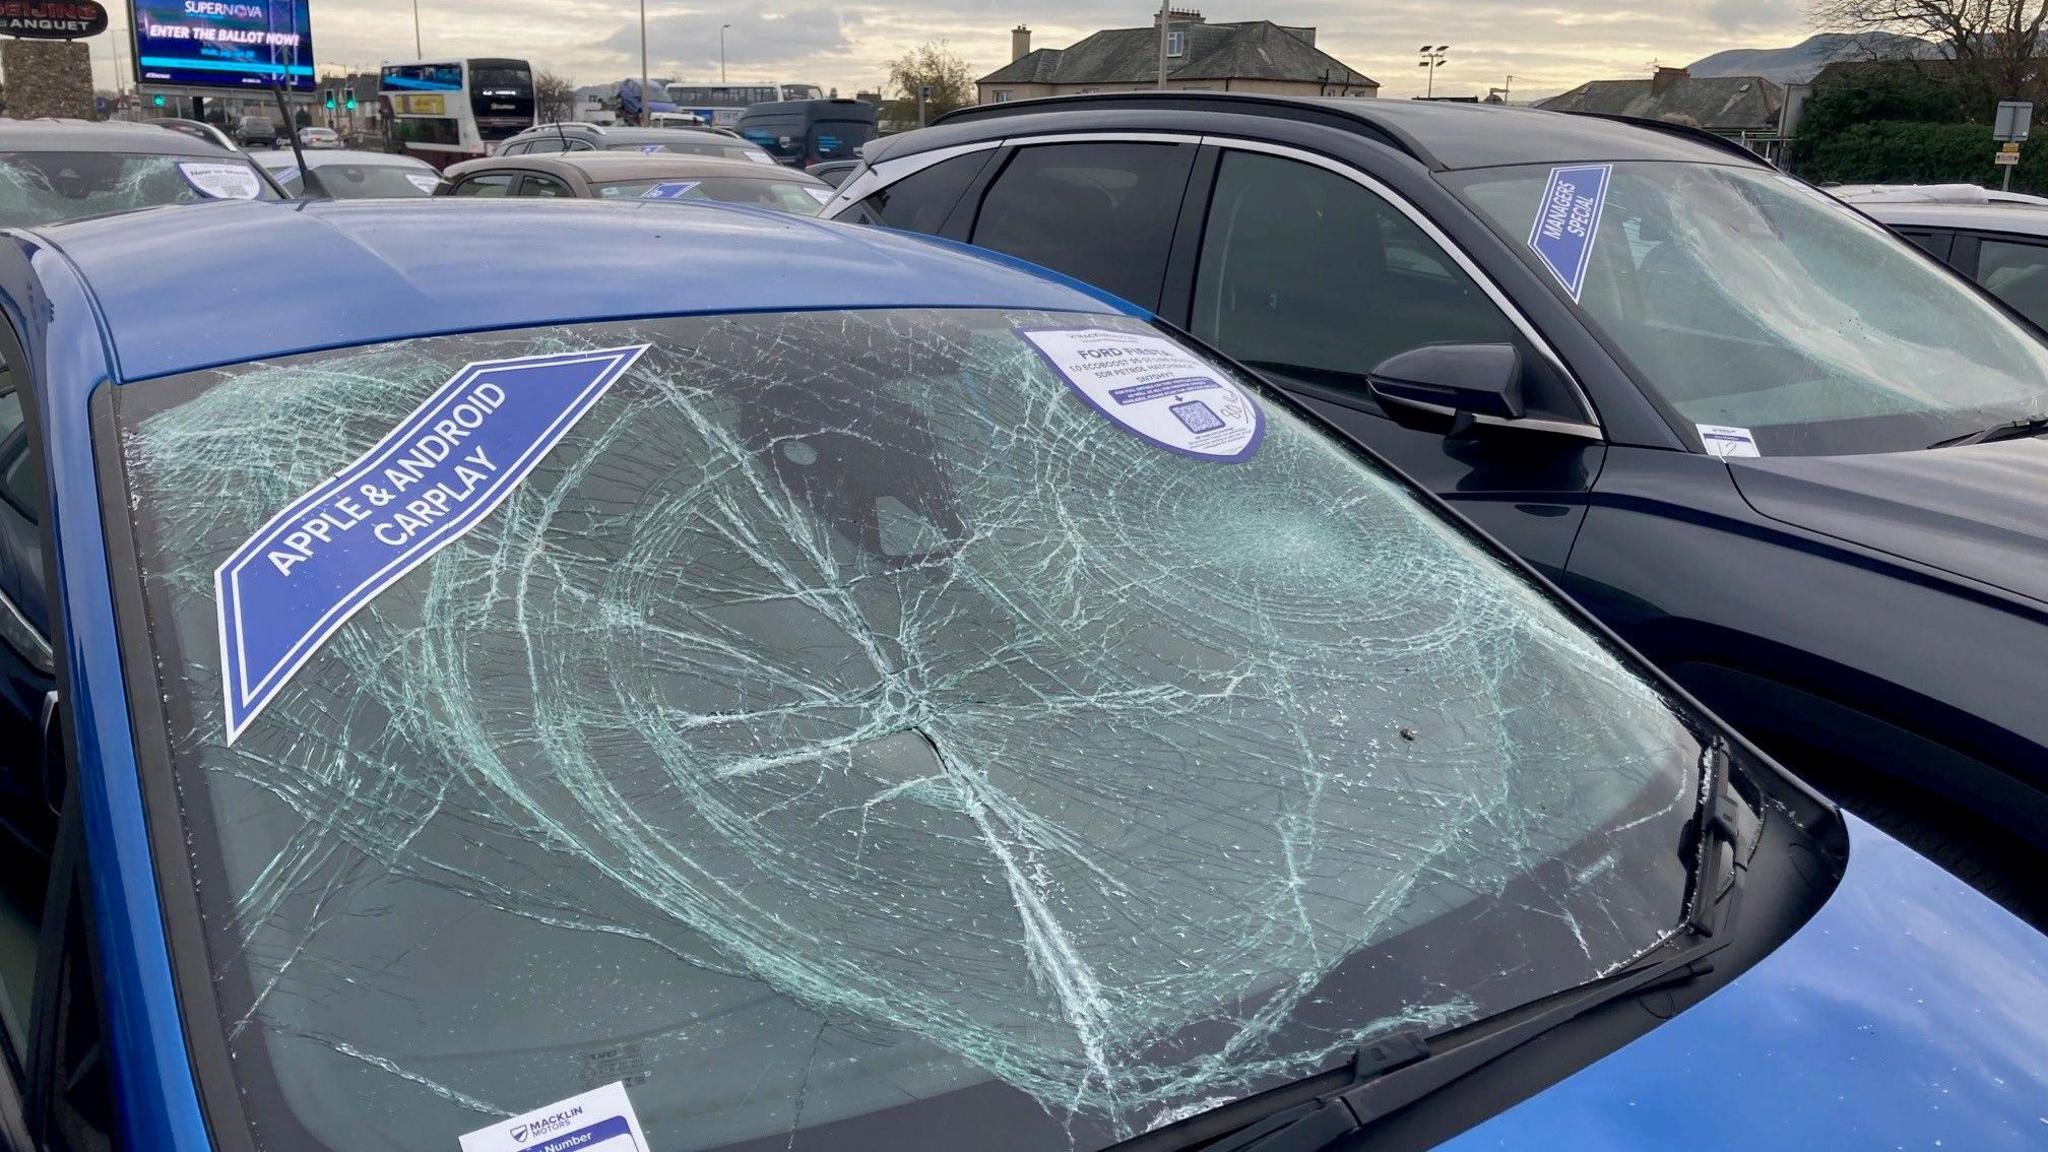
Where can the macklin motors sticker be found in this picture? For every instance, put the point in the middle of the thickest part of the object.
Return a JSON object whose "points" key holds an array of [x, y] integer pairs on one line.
{"points": [[221, 181], [1154, 389], [600, 1120], [440, 472]]}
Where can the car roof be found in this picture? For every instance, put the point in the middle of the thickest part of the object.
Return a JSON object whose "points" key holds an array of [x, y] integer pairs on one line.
{"points": [[275, 158], [2022, 219], [1929, 194], [393, 269], [54, 135], [1440, 134], [634, 166], [629, 134]]}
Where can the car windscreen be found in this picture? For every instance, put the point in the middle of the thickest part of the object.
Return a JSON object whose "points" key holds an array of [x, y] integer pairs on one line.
{"points": [[1763, 311], [47, 187], [839, 139], [802, 198], [365, 181], [854, 730], [697, 144]]}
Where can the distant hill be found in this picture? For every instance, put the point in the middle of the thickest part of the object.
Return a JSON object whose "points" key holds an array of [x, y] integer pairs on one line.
{"points": [[1800, 62]]}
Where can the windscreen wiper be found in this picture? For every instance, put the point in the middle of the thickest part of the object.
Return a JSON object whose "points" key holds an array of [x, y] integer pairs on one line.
{"points": [[2010, 430], [1396, 1071]]}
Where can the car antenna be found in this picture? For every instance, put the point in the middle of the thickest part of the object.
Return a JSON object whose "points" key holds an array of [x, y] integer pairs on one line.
{"points": [[308, 181]]}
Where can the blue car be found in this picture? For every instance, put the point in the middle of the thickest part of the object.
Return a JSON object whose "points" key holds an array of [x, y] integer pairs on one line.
{"points": [[632, 678]]}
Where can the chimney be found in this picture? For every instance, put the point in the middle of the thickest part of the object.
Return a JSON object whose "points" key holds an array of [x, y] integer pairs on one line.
{"points": [[1020, 42], [1664, 79], [1178, 16]]}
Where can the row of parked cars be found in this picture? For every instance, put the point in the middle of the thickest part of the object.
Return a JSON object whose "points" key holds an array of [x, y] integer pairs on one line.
{"points": [[1271, 624]]}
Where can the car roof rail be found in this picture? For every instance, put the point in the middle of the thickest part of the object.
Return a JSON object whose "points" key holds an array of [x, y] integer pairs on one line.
{"points": [[1328, 111], [1697, 135]]}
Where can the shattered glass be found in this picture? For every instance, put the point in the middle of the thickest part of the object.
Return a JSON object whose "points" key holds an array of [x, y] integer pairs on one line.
{"points": [[47, 187], [849, 738]]}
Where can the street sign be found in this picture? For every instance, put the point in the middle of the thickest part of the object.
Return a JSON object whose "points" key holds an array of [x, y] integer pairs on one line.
{"points": [[2013, 119], [2006, 159]]}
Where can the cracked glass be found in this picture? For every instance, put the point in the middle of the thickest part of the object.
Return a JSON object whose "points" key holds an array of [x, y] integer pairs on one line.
{"points": [[848, 738], [47, 187]]}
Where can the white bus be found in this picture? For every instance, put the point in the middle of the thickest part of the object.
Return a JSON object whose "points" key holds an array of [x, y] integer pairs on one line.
{"points": [[446, 111], [720, 105]]}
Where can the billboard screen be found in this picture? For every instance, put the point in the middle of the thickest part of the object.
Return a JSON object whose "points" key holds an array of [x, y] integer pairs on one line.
{"points": [[223, 43]]}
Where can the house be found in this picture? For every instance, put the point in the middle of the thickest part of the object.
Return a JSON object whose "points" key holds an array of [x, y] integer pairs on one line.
{"points": [[1743, 107], [1241, 56]]}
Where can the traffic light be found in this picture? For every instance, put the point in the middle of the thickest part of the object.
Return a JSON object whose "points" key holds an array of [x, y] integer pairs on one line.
{"points": [[330, 99], [157, 100], [351, 99]]}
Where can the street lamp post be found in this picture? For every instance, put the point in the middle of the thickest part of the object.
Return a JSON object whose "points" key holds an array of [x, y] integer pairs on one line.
{"points": [[1432, 59], [721, 52], [417, 52], [644, 121]]}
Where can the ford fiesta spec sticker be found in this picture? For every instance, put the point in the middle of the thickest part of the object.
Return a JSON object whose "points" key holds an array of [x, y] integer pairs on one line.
{"points": [[1154, 389], [453, 459], [1568, 221], [600, 1120], [217, 181], [669, 190], [1724, 440]]}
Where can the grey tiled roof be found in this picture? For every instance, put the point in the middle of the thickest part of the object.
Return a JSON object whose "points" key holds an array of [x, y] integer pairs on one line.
{"points": [[1248, 50], [1720, 103]]}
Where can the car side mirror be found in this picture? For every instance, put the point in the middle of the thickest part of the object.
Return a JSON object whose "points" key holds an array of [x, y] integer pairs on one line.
{"points": [[1423, 386]]}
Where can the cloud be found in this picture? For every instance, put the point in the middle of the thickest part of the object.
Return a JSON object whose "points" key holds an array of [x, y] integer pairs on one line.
{"points": [[1738, 15], [760, 35]]}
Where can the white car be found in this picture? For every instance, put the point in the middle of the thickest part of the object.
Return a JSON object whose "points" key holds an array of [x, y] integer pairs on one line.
{"points": [[319, 138], [1866, 194], [1999, 240], [347, 174]]}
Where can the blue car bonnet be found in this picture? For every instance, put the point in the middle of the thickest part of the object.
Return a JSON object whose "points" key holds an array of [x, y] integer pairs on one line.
{"points": [[1910, 1012]]}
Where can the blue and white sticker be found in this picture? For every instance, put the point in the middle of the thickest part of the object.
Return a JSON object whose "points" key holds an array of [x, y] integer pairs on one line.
{"points": [[1154, 389], [600, 1120], [287, 174], [292, 585], [651, 149], [1725, 440], [1568, 222], [759, 157], [669, 190], [424, 181], [822, 195], [217, 181]]}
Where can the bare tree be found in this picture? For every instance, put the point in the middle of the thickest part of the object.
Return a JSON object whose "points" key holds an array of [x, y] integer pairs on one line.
{"points": [[1994, 46], [933, 63], [554, 98]]}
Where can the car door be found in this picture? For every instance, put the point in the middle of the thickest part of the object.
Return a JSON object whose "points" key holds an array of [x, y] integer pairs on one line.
{"points": [[26, 661], [545, 187], [1313, 275]]}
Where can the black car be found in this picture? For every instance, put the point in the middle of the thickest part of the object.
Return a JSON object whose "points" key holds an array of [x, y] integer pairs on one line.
{"points": [[1782, 452]]}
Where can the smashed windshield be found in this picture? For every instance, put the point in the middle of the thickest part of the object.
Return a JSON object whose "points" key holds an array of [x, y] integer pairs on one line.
{"points": [[47, 187], [1752, 303], [858, 730]]}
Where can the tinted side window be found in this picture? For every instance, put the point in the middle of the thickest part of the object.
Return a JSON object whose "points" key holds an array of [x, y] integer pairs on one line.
{"points": [[921, 201], [548, 186], [1305, 273], [546, 144], [1100, 212], [494, 184], [2016, 274]]}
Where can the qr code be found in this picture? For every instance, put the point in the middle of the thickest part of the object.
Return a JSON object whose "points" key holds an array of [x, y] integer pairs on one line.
{"points": [[1197, 416]]}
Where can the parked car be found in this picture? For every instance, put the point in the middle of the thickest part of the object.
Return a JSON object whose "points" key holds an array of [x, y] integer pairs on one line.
{"points": [[316, 137], [257, 132], [2003, 246], [1782, 454], [833, 172], [198, 130], [804, 132], [1928, 194], [893, 696], [53, 170], [348, 174], [684, 141], [664, 176]]}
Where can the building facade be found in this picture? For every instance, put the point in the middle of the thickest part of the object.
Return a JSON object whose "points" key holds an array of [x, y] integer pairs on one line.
{"points": [[1241, 56]]}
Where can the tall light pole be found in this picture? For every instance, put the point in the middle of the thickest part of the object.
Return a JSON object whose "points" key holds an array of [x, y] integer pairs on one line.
{"points": [[644, 121], [418, 53], [1164, 12], [1432, 59], [721, 52]]}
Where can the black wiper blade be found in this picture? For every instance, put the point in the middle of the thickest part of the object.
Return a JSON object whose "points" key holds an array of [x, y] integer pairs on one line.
{"points": [[2010, 430], [1399, 1070]]}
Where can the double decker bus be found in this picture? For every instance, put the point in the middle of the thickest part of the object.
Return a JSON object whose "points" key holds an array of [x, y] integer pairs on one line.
{"points": [[720, 105], [446, 111]]}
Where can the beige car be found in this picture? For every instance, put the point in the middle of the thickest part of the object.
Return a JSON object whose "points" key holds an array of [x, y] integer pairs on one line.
{"points": [[638, 176]]}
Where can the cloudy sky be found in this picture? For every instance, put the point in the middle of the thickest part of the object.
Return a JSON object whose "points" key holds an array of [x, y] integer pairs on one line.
{"points": [[1546, 45]]}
